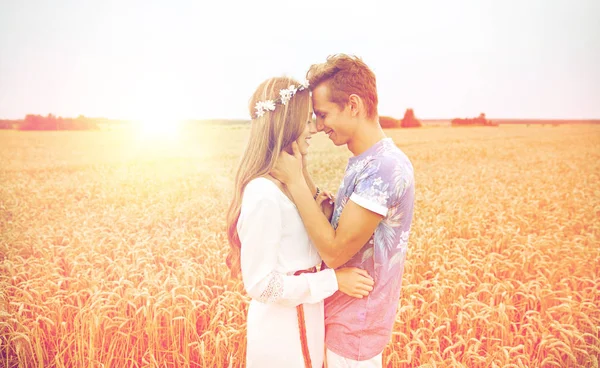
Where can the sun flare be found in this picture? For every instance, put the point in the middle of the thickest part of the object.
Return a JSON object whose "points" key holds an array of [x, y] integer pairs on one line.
{"points": [[158, 129]]}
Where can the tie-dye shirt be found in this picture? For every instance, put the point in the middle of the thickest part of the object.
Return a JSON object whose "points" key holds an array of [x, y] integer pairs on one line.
{"points": [[381, 180]]}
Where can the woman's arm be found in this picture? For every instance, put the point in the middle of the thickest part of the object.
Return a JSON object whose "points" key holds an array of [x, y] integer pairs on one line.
{"points": [[259, 230], [260, 240]]}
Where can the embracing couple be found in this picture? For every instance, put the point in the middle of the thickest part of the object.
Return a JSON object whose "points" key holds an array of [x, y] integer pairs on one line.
{"points": [[324, 273]]}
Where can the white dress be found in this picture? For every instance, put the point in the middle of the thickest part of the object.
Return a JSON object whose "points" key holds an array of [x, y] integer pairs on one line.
{"points": [[274, 245]]}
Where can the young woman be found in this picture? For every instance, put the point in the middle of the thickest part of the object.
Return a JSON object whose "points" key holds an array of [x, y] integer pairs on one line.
{"points": [[269, 244]]}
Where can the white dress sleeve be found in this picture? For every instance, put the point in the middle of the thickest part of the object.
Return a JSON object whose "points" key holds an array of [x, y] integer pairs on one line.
{"points": [[259, 229]]}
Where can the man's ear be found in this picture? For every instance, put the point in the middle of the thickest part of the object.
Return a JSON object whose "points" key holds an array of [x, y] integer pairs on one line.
{"points": [[355, 104]]}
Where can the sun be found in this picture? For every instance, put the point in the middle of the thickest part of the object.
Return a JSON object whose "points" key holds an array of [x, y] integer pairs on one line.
{"points": [[157, 128]]}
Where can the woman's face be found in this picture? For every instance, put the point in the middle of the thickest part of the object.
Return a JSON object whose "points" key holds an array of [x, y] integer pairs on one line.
{"points": [[309, 130]]}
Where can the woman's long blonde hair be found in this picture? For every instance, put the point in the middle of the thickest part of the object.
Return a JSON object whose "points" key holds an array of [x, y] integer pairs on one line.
{"points": [[269, 135]]}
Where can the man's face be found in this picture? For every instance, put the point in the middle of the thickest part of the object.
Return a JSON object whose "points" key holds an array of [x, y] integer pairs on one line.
{"points": [[335, 122]]}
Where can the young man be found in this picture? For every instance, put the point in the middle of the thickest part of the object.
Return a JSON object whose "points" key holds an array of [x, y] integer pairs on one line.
{"points": [[373, 210]]}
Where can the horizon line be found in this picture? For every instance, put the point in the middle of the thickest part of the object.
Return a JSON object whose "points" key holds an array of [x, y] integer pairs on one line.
{"points": [[248, 119]]}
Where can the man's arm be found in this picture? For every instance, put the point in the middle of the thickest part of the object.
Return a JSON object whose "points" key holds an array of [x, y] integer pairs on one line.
{"points": [[336, 247], [356, 224]]}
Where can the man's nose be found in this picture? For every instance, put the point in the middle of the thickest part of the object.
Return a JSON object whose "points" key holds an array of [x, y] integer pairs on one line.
{"points": [[320, 125]]}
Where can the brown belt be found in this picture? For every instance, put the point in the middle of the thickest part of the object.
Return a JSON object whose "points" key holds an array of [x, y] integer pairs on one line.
{"points": [[302, 324]]}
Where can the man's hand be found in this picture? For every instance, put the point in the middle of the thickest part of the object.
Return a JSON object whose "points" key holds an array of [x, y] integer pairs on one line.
{"points": [[326, 200], [288, 168]]}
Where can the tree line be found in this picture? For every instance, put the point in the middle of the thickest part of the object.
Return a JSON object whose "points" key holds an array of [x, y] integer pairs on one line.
{"points": [[410, 121], [51, 122]]}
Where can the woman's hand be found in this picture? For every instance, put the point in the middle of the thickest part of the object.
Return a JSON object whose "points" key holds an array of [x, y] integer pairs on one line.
{"points": [[326, 201], [354, 282]]}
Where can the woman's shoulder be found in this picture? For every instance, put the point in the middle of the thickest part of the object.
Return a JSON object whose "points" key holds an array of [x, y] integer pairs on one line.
{"points": [[261, 187], [261, 182]]}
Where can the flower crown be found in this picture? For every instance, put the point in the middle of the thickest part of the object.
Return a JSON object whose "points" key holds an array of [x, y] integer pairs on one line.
{"points": [[284, 96]]}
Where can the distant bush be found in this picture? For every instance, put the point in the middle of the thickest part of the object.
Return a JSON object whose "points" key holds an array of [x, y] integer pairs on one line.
{"points": [[478, 121], [9, 124], [409, 120], [387, 122], [51, 122]]}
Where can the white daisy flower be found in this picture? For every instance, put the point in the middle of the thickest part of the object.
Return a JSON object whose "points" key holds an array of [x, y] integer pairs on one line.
{"points": [[269, 105], [285, 96], [258, 106]]}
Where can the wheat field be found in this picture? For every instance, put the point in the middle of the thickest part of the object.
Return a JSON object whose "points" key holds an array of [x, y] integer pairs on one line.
{"points": [[112, 248]]}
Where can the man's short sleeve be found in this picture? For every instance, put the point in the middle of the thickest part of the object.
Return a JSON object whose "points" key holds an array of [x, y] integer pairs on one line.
{"points": [[374, 188]]}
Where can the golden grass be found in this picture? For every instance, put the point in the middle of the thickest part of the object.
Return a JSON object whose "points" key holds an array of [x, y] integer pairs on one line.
{"points": [[112, 249]]}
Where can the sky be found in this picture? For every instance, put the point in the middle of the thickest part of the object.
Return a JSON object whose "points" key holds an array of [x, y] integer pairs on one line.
{"points": [[203, 60]]}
